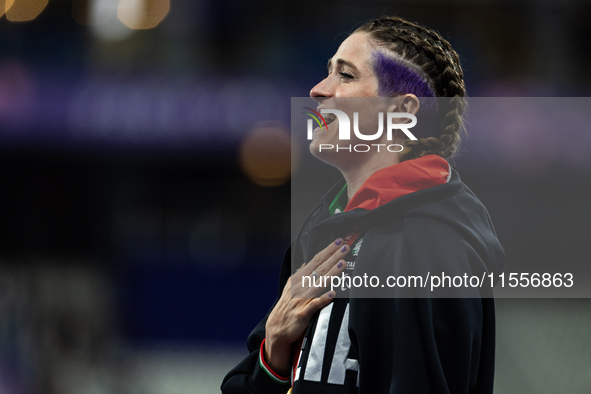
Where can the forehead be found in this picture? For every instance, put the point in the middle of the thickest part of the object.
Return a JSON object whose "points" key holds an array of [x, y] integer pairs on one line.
{"points": [[355, 49]]}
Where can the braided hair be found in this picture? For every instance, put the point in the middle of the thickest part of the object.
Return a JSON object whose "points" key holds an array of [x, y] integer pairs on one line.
{"points": [[423, 51]]}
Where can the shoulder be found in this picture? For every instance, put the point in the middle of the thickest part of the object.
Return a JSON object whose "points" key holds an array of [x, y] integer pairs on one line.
{"points": [[415, 231], [438, 250], [425, 244], [428, 231]]}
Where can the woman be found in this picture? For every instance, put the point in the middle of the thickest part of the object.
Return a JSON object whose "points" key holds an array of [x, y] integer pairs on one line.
{"points": [[394, 213]]}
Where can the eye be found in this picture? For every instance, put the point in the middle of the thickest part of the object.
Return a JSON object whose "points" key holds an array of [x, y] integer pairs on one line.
{"points": [[346, 75]]}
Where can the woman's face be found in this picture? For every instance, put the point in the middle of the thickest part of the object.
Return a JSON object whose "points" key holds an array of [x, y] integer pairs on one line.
{"points": [[350, 72], [350, 75]]}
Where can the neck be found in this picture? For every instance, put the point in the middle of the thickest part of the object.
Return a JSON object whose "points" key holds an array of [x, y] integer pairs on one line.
{"points": [[355, 176]]}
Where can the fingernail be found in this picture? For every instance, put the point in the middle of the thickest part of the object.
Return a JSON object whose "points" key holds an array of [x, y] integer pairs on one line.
{"points": [[344, 249], [340, 264], [338, 242], [330, 295]]}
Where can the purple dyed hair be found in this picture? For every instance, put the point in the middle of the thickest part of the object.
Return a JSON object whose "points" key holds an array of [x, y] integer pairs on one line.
{"points": [[397, 77]]}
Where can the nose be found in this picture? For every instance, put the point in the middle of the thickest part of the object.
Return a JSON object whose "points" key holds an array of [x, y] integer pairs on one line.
{"points": [[322, 89]]}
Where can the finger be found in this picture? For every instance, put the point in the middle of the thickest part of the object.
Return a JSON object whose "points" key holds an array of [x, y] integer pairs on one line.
{"points": [[323, 255], [326, 280], [311, 286], [318, 303], [336, 269], [333, 260]]}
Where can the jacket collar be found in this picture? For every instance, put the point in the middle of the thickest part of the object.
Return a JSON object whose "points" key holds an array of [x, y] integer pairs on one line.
{"points": [[389, 210], [399, 180]]}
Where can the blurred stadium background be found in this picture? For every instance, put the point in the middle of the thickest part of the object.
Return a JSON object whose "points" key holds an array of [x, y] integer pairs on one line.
{"points": [[143, 214]]}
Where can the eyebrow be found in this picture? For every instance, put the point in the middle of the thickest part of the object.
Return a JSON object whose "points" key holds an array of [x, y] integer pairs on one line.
{"points": [[342, 63]]}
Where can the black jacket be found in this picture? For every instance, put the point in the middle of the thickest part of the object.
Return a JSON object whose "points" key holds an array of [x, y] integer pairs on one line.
{"points": [[400, 342]]}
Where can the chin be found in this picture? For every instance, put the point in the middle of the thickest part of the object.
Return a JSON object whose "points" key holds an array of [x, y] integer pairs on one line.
{"points": [[329, 156], [315, 149]]}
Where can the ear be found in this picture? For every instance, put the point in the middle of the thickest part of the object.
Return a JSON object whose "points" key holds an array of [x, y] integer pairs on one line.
{"points": [[408, 103]]}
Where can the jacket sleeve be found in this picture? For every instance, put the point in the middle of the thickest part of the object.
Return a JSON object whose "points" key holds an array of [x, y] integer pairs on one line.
{"points": [[250, 376], [425, 345]]}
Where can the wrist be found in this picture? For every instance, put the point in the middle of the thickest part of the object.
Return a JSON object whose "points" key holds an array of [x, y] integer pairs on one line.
{"points": [[277, 356]]}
